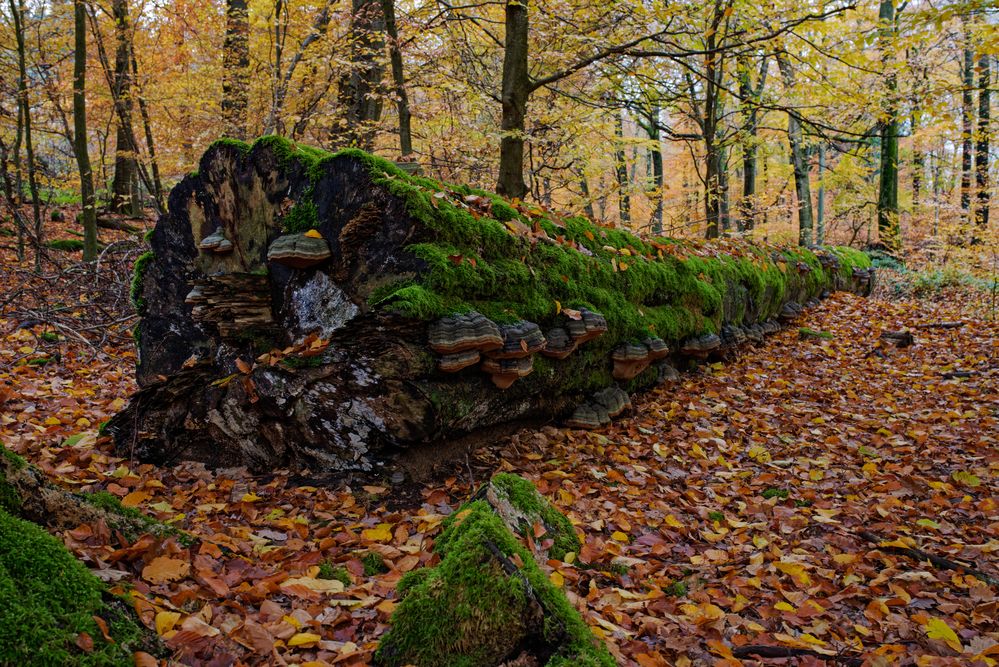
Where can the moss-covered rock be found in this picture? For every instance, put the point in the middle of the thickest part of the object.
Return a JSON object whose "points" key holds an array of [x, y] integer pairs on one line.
{"points": [[488, 600], [48, 601]]}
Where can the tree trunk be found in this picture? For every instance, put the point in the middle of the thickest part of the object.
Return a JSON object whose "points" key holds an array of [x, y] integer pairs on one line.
{"points": [[982, 144], [322, 356], [17, 199], [621, 169], [515, 89], [799, 161], [398, 79], [820, 218], [89, 212], [656, 160], [360, 94], [157, 184], [236, 69], [967, 121], [584, 188], [124, 192], [888, 222], [17, 11], [747, 95]]}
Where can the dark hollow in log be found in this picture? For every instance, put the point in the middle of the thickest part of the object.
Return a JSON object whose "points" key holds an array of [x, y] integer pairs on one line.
{"points": [[328, 311]]}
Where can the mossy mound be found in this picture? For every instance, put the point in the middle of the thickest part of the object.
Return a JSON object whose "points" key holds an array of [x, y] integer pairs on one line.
{"points": [[486, 602], [532, 509], [48, 600]]}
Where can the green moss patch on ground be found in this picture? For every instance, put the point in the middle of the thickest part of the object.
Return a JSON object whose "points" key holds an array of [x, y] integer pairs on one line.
{"points": [[138, 275], [525, 497], [48, 600], [469, 611]]}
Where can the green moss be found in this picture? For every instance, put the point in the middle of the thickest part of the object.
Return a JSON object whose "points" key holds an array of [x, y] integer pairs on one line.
{"points": [[776, 493], [138, 275], [14, 460], [525, 497], [716, 516], [48, 598], [111, 504], [65, 245], [302, 217], [677, 589], [805, 332], [373, 564], [468, 612], [327, 570], [10, 499]]}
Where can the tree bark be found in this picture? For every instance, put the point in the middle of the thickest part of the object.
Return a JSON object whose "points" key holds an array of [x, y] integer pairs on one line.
{"points": [[799, 161], [124, 186], [888, 222], [245, 360], [360, 94], [820, 218], [967, 121], [89, 212], [621, 169], [982, 143], [157, 183], [17, 10], [236, 69], [398, 79], [515, 89]]}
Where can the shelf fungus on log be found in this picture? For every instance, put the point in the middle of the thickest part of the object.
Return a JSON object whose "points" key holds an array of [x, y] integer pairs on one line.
{"points": [[558, 344], [614, 399], [406, 285], [630, 359], [216, 243], [298, 251], [701, 346], [790, 311], [504, 372]]}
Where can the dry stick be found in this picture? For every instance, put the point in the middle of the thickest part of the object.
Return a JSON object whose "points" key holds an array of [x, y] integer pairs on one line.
{"points": [[937, 561], [941, 325], [783, 652]]}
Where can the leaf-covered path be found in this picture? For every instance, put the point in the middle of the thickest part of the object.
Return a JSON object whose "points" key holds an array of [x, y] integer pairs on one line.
{"points": [[726, 513]]}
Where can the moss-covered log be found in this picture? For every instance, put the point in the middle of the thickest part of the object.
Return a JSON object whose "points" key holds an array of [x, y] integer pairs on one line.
{"points": [[292, 302], [488, 601], [52, 608]]}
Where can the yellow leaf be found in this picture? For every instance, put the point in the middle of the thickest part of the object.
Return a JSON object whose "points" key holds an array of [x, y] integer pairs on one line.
{"points": [[52, 421], [796, 571], [938, 629], [672, 521], [250, 498], [381, 533], [698, 452], [165, 620], [557, 579], [318, 585], [303, 639], [784, 606], [313, 234], [292, 621], [163, 569], [135, 498], [618, 536], [558, 307]]}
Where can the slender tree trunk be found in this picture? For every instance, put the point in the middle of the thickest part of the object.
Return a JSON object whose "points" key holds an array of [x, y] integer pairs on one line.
{"points": [[89, 212], [515, 89], [656, 164], [888, 222], [584, 187], [820, 217], [398, 79], [360, 88], [157, 183], [123, 186], [747, 204], [621, 167], [967, 114], [799, 162], [18, 194], [982, 144], [724, 216], [236, 69], [918, 166], [17, 11]]}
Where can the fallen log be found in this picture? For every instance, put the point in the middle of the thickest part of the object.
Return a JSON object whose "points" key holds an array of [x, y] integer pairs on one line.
{"points": [[328, 311]]}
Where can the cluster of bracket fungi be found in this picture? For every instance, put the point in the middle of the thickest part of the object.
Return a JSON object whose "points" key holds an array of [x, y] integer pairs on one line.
{"points": [[506, 351]]}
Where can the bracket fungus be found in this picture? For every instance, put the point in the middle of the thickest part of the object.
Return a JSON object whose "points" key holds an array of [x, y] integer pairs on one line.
{"points": [[452, 363], [558, 344], [587, 416], [701, 346], [459, 333], [657, 347], [791, 310], [298, 251], [505, 372], [216, 242], [630, 359], [519, 340], [733, 336], [590, 325], [614, 399]]}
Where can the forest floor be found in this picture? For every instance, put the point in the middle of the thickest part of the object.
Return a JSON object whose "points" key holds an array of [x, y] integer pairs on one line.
{"points": [[765, 500]]}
